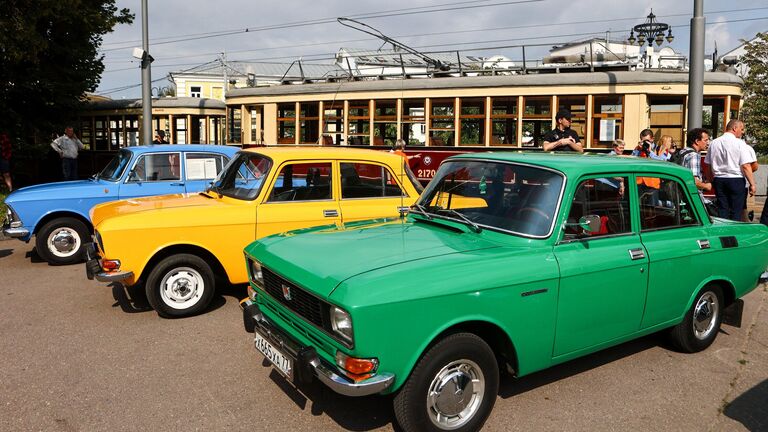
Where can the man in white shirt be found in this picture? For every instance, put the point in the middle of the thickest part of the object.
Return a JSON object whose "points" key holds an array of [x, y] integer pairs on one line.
{"points": [[731, 165], [67, 146]]}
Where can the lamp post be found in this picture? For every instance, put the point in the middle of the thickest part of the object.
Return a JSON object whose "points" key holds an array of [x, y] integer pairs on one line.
{"points": [[650, 31]]}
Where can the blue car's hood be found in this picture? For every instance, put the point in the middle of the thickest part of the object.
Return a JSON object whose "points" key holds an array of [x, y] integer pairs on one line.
{"points": [[64, 190]]}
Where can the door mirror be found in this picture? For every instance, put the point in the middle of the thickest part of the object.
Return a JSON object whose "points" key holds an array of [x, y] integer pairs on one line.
{"points": [[590, 223], [133, 177]]}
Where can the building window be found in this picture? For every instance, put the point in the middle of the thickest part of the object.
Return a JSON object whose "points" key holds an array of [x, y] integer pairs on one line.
{"points": [[504, 121], [195, 91], [359, 123], [234, 127], [385, 122], [413, 126], [181, 130], [667, 117], [607, 120], [442, 122], [577, 105], [286, 123], [309, 121], [132, 130], [116, 140], [713, 116], [333, 122], [472, 121], [537, 120], [86, 135]]}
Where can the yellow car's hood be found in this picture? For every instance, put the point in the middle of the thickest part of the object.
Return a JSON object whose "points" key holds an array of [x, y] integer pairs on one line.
{"points": [[138, 205]]}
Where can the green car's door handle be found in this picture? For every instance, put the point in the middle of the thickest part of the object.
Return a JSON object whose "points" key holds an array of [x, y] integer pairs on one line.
{"points": [[636, 254], [703, 244]]}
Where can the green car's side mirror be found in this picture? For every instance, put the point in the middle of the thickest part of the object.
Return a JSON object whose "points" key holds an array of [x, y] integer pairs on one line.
{"points": [[589, 223]]}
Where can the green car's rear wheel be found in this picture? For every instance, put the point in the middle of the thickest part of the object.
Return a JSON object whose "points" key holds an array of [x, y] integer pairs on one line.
{"points": [[701, 323]]}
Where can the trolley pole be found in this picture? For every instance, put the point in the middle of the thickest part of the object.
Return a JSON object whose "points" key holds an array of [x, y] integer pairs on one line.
{"points": [[696, 67], [146, 78]]}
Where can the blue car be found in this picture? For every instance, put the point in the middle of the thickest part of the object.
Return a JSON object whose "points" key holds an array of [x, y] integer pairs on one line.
{"points": [[57, 213]]}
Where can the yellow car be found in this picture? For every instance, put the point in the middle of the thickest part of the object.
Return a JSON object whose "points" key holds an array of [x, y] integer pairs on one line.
{"points": [[178, 245]]}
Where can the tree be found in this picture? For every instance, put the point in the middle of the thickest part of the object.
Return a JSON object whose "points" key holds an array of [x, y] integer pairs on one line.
{"points": [[50, 59], [755, 109]]}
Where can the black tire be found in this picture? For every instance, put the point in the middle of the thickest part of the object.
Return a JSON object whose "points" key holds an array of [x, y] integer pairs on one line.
{"points": [[180, 285], [701, 323], [449, 363], [60, 241]]}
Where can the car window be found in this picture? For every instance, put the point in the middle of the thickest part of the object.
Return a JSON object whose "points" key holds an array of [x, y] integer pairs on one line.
{"points": [[365, 180], [303, 182], [204, 166], [243, 176], [663, 204], [605, 197], [157, 167], [114, 169], [518, 198]]}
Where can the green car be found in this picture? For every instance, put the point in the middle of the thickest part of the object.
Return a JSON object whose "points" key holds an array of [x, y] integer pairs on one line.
{"points": [[508, 262]]}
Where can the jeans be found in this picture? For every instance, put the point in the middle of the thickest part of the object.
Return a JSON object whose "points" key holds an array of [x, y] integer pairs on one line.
{"points": [[69, 168], [730, 195]]}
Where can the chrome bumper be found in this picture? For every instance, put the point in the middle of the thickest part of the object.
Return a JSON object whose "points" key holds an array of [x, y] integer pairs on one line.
{"points": [[15, 232], [93, 268], [307, 363]]}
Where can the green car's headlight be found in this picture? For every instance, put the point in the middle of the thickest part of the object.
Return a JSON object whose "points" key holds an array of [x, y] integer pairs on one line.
{"points": [[341, 323], [257, 276]]}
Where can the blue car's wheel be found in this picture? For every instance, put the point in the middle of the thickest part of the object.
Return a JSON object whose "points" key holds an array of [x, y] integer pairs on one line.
{"points": [[61, 241]]}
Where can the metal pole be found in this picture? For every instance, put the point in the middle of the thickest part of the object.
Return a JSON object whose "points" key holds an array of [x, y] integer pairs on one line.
{"points": [[696, 68], [146, 79]]}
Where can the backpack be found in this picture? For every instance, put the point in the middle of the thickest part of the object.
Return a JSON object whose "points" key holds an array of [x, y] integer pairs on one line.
{"points": [[679, 156]]}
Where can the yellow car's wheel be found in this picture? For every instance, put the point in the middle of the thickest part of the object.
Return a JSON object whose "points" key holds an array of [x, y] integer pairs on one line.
{"points": [[180, 285]]}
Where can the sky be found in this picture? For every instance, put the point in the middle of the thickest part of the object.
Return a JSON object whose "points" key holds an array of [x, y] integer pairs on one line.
{"points": [[187, 33]]}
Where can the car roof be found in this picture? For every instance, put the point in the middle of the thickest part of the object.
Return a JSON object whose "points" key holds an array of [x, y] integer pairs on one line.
{"points": [[183, 147], [317, 152], [575, 164]]}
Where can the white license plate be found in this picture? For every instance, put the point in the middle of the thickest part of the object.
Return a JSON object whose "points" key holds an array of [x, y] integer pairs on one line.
{"points": [[282, 362]]}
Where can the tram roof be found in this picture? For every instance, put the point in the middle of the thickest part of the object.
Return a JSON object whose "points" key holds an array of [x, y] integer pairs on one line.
{"points": [[524, 80], [164, 102]]}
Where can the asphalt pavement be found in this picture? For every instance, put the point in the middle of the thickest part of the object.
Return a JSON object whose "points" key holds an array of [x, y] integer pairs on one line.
{"points": [[78, 355]]}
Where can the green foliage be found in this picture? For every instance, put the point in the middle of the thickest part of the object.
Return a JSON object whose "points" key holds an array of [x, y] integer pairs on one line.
{"points": [[50, 59], [755, 109]]}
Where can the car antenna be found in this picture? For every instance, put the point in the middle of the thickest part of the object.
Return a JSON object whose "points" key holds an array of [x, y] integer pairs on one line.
{"points": [[365, 28]]}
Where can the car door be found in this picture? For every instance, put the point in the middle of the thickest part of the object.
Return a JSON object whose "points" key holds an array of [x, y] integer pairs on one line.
{"points": [[153, 174], [603, 274], [368, 191], [678, 246], [303, 194], [200, 169]]}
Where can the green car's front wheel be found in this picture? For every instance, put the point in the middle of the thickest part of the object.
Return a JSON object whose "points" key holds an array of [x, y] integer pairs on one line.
{"points": [[180, 285], [452, 388]]}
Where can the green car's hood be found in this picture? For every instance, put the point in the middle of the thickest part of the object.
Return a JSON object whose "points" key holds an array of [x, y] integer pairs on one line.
{"points": [[321, 258]]}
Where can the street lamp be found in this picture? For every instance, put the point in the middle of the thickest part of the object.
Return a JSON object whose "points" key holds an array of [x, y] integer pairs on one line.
{"points": [[651, 31]]}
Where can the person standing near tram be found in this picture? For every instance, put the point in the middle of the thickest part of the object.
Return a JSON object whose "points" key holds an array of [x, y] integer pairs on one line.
{"points": [[562, 137], [68, 146]]}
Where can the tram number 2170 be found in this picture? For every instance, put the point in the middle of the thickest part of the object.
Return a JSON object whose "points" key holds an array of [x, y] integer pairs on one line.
{"points": [[425, 173]]}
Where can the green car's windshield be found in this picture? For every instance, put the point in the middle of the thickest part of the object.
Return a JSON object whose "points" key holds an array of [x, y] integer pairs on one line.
{"points": [[114, 169], [483, 194], [243, 176]]}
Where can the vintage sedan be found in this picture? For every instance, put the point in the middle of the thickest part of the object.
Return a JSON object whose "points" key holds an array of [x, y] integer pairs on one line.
{"points": [[507, 262], [179, 245], [57, 213]]}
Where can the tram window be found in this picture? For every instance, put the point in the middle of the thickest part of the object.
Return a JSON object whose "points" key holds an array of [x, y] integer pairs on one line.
{"points": [[537, 120], [607, 120], [442, 122], [286, 123], [413, 122], [362, 180], [504, 121], [472, 121]]}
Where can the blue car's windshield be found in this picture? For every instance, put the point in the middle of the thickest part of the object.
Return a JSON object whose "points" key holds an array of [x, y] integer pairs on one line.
{"points": [[114, 169], [243, 177]]}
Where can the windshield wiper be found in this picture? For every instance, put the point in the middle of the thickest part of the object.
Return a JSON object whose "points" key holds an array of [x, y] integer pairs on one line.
{"points": [[422, 210], [475, 227]]}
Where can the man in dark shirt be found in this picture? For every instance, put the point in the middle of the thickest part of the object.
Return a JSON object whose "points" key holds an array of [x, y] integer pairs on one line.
{"points": [[563, 138]]}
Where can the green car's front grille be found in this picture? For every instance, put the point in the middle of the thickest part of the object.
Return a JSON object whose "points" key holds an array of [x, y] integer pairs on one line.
{"points": [[294, 298]]}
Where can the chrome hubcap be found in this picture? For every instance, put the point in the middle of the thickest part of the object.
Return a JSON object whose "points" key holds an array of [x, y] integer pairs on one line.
{"points": [[705, 315], [63, 242], [455, 394], [182, 288]]}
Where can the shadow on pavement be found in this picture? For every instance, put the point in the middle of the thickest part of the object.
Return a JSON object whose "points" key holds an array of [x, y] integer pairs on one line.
{"points": [[34, 257], [511, 386], [130, 299], [751, 408], [5, 252], [351, 413]]}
